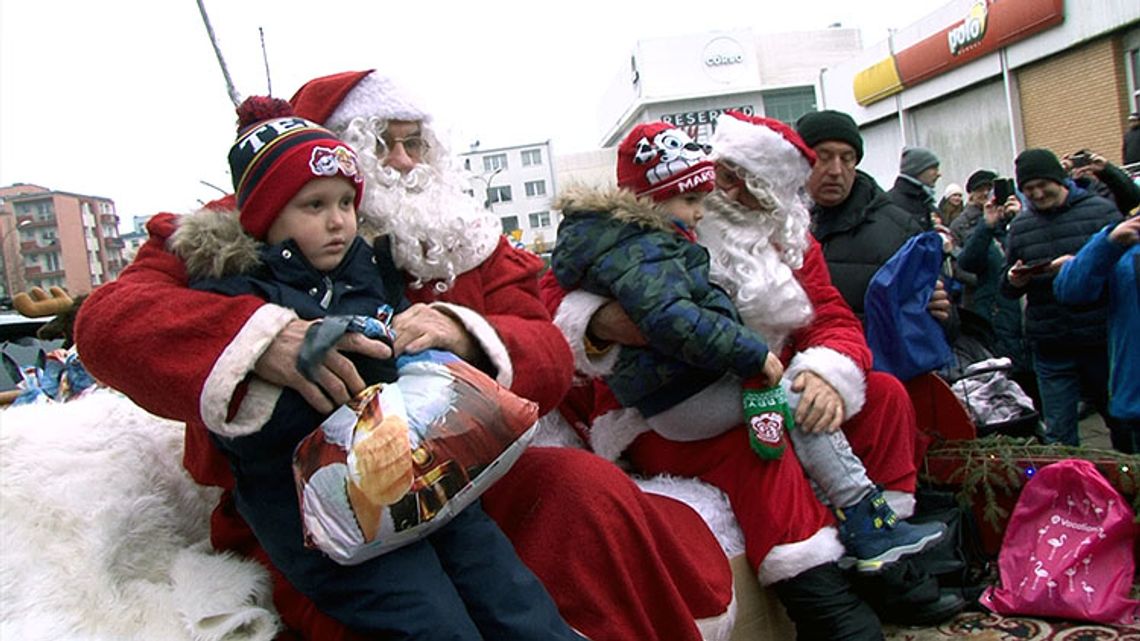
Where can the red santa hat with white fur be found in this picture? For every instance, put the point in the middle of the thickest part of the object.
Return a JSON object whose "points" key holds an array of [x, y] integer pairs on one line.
{"points": [[762, 147], [336, 99]]}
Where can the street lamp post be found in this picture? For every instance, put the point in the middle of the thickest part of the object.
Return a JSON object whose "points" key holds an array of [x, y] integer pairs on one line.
{"points": [[487, 186], [4, 255]]}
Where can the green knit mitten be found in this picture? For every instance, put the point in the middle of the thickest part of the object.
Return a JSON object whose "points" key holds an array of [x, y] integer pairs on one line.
{"points": [[768, 416]]}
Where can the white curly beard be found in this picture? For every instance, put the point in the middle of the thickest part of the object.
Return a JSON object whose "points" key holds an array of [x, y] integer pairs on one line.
{"points": [[438, 231], [753, 255]]}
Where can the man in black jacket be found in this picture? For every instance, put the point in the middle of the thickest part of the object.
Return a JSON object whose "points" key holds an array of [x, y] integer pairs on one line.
{"points": [[853, 218], [914, 188], [1131, 146], [1069, 344]]}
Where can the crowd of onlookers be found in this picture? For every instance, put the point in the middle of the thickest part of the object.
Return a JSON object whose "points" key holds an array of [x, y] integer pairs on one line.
{"points": [[1041, 268]]}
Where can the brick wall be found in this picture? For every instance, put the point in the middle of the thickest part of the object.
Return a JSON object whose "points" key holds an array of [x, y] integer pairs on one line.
{"points": [[1076, 100]]}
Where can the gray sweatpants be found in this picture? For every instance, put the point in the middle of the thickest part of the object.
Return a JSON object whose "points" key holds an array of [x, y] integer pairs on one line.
{"points": [[837, 474]]}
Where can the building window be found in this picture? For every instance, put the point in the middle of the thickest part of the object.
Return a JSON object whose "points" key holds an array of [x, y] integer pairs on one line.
{"points": [[493, 162], [789, 104], [539, 220], [535, 188], [467, 164], [499, 194], [531, 157], [45, 212], [510, 224]]}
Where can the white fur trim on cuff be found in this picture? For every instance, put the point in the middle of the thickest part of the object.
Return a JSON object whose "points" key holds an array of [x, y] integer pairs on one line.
{"points": [[707, 501], [488, 339], [839, 370], [719, 627], [612, 432], [902, 503], [789, 559], [572, 318], [553, 430], [233, 366]]}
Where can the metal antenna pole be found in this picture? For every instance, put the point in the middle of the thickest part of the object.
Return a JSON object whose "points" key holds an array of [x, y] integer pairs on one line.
{"points": [[224, 192], [234, 97], [265, 57]]}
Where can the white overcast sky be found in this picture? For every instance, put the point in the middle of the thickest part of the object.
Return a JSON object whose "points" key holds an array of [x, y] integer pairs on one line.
{"points": [[124, 98]]}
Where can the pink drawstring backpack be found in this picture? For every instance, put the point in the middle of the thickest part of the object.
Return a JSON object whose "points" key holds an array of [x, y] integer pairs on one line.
{"points": [[1067, 551]]}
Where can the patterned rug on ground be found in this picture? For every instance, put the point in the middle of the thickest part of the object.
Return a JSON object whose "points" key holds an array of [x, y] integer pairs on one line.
{"points": [[987, 626]]}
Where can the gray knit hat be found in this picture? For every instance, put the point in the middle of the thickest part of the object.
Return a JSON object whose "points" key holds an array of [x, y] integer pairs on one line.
{"points": [[916, 160]]}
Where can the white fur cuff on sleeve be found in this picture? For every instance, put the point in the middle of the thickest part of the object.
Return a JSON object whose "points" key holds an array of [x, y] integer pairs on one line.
{"points": [[572, 318], [789, 559], [839, 370], [487, 337], [233, 366]]}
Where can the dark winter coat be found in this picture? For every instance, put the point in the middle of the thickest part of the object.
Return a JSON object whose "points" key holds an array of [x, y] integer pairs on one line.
{"points": [[1113, 184], [859, 235], [1035, 236], [983, 256], [221, 258], [909, 195], [1131, 149], [613, 244], [965, 224]]}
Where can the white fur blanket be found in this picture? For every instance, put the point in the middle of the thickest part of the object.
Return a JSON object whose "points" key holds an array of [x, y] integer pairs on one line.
{"points": [[104, 536]]}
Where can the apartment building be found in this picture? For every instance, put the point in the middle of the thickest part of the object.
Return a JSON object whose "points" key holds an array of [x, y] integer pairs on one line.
{"points": [[57, 239], [517, 183]]}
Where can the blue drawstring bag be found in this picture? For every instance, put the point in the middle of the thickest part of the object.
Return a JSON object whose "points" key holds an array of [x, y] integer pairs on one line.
{"points": [[904, 338]]}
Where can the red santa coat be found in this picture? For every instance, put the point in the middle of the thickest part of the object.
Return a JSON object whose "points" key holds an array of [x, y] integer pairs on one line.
{"points": [[648, 567], [786, 529]]}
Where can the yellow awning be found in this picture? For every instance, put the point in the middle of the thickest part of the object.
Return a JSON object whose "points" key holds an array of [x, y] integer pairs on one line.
{"points": [[876, 82]]}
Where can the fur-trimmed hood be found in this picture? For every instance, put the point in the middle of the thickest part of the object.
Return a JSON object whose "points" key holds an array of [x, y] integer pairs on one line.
{"points": [[620, 204], [213, 244], [600, 225]]}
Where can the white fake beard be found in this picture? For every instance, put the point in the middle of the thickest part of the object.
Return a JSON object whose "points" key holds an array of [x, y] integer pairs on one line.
{"points": [[753, 255], [438, 231]]}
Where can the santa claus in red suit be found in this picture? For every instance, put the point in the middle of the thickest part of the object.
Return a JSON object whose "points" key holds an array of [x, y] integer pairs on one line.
{"points": [[620, 564], [757, 232]]}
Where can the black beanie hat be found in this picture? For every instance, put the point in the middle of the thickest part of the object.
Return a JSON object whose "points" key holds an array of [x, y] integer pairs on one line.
{"points": [[1033, 164], [980, 178], [818, 126]]}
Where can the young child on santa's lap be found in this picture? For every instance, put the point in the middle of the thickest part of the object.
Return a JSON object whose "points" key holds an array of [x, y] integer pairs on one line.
{"points": [[293, 242], [693, 380]]}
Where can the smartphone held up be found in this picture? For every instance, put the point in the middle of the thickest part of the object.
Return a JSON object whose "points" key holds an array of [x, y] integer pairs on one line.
{"points": [[1003, 189]]}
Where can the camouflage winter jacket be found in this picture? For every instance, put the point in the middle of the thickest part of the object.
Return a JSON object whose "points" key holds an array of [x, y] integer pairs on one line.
{"points": [[613, 244]]}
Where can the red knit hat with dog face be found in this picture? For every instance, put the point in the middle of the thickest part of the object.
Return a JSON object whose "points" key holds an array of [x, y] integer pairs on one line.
{"points": [[660, 161], [276, 154]]}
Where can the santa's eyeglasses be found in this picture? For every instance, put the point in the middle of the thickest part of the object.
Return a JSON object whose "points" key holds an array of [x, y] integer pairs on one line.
{"points": [[728, 176], [415, 145]]}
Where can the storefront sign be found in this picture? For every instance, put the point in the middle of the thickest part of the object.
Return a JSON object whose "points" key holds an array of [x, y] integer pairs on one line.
{"points": [[991, 25], [703, 117], [971, 31], [723, 59]]}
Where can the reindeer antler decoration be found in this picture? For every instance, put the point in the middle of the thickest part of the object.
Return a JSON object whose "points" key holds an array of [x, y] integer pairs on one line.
{"points": [[36, 303]]}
